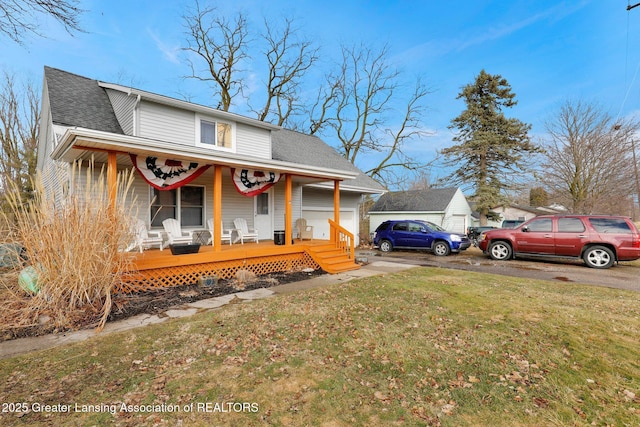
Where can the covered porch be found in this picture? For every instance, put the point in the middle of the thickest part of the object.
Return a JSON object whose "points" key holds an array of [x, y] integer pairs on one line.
{"points": [[154, 268]]}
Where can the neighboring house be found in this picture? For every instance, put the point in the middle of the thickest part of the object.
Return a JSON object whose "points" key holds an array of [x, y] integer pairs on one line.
{"points": [[518, 212], [196, 163], [447, 207]]}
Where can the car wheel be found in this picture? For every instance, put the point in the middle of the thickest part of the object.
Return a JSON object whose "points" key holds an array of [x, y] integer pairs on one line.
{"points": [[598, 257], [385, 246], [441, 249], [500, 251]]}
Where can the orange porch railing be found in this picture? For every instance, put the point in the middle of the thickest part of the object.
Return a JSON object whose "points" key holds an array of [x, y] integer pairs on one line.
{"points": [[342, 239]]}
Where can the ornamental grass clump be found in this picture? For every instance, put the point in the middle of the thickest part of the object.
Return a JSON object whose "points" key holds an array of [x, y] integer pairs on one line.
{"points": [[74, 244]]}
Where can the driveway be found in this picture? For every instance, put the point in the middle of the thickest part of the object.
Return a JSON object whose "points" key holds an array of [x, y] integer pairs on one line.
{"points": [[621, 276]]}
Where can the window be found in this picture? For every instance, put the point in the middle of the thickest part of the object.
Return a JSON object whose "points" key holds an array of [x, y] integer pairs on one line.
{"points": [[415, 227], [570, 225], [544, 225], [214, 134], [401, 226], [610, 225], [262, 204], [186, 204]]}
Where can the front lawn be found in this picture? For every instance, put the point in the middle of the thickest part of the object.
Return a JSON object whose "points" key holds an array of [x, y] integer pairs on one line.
{"points": [[424, 347]]}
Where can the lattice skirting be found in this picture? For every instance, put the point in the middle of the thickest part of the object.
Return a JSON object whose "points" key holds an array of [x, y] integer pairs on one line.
{"points": [[145, 280]]}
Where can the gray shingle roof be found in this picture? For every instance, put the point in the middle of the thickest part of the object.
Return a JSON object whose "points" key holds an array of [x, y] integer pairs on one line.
{"points": [[79, 101], [296, 147], [431, 200]]}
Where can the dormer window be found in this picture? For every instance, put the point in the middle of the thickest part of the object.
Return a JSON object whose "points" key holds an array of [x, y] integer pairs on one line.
{"points": [[214, 134]]}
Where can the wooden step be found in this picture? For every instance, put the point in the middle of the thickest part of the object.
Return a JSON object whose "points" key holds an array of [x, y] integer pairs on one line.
{"points": [[331, 259]]}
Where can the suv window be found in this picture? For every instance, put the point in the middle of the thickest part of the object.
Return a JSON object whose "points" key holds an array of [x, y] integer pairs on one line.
{"points": [[610, 225], [570, 225], [401, 226], [383, 226], [541, 225], [415, 227]]}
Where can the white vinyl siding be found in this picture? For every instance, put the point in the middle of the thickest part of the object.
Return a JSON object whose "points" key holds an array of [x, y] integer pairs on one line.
{"points": [[167, 124], [253, 142], [123, 108]]}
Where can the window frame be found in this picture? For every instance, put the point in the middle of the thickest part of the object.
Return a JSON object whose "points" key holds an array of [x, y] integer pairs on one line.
{"points": [[210, 120], [178, 206]]}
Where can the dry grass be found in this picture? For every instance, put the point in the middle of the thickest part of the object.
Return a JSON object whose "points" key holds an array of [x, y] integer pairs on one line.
{"points": [[73, 243], [426, 347]]}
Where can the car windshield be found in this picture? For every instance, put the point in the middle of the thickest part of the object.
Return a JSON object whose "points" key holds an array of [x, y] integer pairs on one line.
{"points": [[433, 226]]}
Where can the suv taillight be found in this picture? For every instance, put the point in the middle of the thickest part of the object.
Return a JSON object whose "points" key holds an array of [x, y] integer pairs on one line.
{"points": [[635, 242]]}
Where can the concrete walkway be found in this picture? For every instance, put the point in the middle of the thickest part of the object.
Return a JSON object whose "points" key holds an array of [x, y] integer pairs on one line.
{"points": [[26, 345]]}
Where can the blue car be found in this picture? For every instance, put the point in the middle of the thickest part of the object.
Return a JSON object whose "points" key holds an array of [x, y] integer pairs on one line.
{"points": [[415, 234]]}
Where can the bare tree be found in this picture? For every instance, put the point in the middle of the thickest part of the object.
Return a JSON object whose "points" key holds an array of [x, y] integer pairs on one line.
{"points": [[358, 105], [18, 17], [588, 165], [19, 117], [221, 45], [288, 59]]}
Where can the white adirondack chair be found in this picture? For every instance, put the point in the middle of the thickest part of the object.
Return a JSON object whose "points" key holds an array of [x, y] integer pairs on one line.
{"points": [[143, 238], [243, 230], [225, 237], [304, 231], [175, 233]]}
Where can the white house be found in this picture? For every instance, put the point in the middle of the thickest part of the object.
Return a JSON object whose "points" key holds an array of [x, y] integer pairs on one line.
{"points": [[447, 207], [195, 163]]}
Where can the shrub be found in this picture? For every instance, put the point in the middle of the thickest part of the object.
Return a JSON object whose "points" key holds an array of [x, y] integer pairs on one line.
{"points": [[74, 241]]}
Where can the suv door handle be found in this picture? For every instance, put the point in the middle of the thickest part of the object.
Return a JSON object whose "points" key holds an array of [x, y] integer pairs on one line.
{"points": [[548, 236], [582, 236]]}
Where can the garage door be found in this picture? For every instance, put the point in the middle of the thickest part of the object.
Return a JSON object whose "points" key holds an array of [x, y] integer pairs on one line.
{"points": [[320, 222], [458, 224]]}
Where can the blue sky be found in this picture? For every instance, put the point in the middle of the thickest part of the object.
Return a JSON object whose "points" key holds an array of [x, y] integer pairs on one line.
{"points": [[549, 51]]}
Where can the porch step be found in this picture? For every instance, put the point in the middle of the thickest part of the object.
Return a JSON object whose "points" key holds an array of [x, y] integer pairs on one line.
{"points": [[331, 259]]}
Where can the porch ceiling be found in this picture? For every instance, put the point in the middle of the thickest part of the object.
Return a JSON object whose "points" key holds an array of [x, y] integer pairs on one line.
{"points": [[83, 144]]}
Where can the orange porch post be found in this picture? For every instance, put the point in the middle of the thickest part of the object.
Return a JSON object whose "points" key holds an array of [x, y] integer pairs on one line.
{"points": [[112, 179], [217, 208], [288, 219], [336, 205]]}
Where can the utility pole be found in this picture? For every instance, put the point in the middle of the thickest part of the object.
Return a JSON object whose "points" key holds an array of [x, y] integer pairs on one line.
{"points": [[633, 144]]}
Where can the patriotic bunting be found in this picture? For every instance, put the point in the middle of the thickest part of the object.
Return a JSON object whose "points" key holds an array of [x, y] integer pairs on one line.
{"points": [[166, 174], [251, 183]]}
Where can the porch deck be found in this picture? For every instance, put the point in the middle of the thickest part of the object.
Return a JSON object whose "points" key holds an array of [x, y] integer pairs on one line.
{"points": [[154, 269]]}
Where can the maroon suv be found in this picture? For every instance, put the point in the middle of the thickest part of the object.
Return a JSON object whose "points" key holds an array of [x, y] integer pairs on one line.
{"points": [[598, 239]]}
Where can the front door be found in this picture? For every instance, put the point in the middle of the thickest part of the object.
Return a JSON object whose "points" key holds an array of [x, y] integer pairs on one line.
{"points": [[263, 220]]}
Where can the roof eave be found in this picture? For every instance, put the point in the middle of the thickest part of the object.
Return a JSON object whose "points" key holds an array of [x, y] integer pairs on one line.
{"points": [[347, 187], [99, 140]]}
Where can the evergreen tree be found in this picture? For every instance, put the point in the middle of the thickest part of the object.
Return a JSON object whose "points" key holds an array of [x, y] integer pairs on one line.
{"points": [[492, 149]]}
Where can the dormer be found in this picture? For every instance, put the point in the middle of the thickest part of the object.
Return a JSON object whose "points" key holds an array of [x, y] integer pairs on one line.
{"points": [[157, 117]]}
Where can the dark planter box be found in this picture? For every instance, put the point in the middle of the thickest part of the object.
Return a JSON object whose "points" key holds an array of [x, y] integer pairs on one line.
{"points": [[184, 248]]}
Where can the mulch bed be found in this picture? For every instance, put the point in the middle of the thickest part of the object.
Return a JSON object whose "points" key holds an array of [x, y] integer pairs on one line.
{"points": [[159, 301]]}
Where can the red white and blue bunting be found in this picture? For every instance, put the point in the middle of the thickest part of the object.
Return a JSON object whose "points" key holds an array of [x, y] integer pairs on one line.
{"points": [[166, 174], [251, 182]]}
